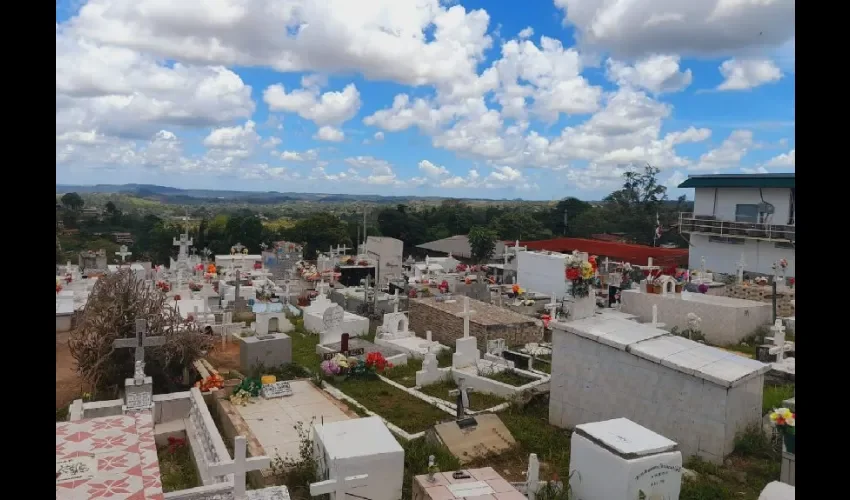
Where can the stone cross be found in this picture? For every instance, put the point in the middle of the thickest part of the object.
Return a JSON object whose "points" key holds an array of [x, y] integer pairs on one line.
{"points": [[552, 306], [466, 314], [395, 301], [184, 243], [139, 373], [239, 466], [123, 253], [741, 264], [462, 396], [322, 287], [779, 344], [336, 487], [139, 343]]}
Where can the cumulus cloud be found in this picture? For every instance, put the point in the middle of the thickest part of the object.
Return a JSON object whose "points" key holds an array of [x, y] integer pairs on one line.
{"points": [[330, 108], [330, 134], [656, 73], [748, 74]]}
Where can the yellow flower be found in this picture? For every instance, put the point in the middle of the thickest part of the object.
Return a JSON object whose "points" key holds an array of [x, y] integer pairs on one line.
{"points": [[791, 422], [586, 270]]}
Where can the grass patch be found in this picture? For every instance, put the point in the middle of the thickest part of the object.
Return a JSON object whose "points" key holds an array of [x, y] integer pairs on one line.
{"points": [[407, 412], [304, 351], [754, 463], [405, 374], [510, 377], [773, 396], [416, 453], [477, 401], [177, 467], [62, 414]]}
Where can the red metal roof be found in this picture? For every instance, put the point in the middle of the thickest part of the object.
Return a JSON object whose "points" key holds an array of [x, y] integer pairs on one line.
{"points": [[626, 252]]}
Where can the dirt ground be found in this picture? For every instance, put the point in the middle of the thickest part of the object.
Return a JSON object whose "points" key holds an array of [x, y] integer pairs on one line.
{"points": [[68, 385], [226, 357]]}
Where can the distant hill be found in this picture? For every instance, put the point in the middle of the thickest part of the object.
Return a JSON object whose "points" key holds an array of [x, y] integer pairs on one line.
{"points": [[192, 196]]}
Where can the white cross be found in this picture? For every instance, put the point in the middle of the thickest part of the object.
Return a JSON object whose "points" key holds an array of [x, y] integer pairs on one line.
{"points": [[123, 253], [395, 301], [341, 250], [464, 396], [322, 287], [238, 247], [779, 345], [336, 487], [139, 343], [741, 264], [552, 306], [466, 314], [239, 466]]}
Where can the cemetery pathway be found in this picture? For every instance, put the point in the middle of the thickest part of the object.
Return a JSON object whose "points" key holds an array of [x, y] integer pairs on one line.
{"points": [[68, 385]]}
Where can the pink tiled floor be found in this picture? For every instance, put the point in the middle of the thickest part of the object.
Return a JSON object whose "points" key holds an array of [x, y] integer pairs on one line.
{"points": [[123, 446], [439, 489]]}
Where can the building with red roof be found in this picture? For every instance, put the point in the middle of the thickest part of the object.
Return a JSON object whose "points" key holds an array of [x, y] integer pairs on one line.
{"points": [[622, 252]]}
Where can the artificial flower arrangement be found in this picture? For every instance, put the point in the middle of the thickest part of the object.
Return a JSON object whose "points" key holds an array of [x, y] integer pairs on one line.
{"points": [[363, 263], [258, 266], [247, 389], [199, 267], [58, 287], [163, 285], [340, 366], [761, 281], [195, 287], [214, 381], [211, 268], [264, 293], [68, 279], [412, 293], [791, 282], [786, 424], [177, 297], [460, 268], [580, 273]]}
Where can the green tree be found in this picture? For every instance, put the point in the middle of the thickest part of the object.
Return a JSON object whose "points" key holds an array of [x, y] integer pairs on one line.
{"points": [[637, 204], [398, 223], [73, 201], [246, 229], [318, 232], [110, 208], [519, 225], [572, 207], [482, 243]]}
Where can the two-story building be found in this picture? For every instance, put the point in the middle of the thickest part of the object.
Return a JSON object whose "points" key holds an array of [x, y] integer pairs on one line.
{"points": [[741, 214]]}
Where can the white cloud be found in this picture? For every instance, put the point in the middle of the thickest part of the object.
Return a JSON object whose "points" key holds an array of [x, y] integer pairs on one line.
{"points": [[676, 178], [756, 170], [272, 142], [656, 73], [785, 160], [747, 74], [121, 92], [237, 141], [331, 134], [526, 33], [704, 28], [383, 39], [431, 170], [729, 154], [379, 136], [330, 108], [309, 155]]}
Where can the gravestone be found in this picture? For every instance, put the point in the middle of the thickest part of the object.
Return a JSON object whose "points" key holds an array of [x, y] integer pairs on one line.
{"points": [[276, 390], [488, 437], [138, 391], [331, 323], [271, 350], [345, 349], [621, 460], [466, 347], [462, 403]]}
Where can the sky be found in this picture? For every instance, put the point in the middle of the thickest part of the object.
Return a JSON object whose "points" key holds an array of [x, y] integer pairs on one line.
{"points": [[537, 100]]}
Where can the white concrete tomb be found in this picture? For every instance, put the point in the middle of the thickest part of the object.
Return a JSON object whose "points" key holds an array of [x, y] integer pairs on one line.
{"points": [[618, 460]]}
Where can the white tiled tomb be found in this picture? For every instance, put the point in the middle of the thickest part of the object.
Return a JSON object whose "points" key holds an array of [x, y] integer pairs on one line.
{"points": [[696, 395]]}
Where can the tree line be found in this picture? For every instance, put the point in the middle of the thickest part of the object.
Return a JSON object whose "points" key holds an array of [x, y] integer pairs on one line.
{"points": [[630, 211]]}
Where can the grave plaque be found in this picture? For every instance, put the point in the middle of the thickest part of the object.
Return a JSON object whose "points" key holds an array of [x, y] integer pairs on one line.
{"points": [[140, 399], [276, 390], [81, 468], [351, 352]]}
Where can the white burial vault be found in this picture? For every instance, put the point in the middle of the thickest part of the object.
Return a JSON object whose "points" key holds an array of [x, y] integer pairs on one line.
{"points": [[697, 395], [270, 318], [362, 446], [351, 324], [620, 460]]}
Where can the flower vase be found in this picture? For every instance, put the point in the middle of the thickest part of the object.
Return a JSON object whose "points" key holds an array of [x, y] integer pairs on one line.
{"points": [[679, 288], [650, 288], [656, 289], [790, 442]]}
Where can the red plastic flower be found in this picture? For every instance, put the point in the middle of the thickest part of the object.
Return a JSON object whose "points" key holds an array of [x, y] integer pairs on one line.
{"points": [[258, 265], [573, 273]]}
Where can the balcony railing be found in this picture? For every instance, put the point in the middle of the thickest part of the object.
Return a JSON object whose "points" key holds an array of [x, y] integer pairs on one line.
{"points": [[708, 224]]}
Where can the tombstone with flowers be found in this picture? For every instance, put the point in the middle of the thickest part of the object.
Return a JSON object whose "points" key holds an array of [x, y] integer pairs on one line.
{"points": [[786, 425], [580, 277]]}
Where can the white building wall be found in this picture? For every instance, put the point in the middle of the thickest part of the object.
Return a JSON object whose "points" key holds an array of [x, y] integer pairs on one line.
{"points": [[542, 273], [390, 250], [723, 207], [759, 256]]}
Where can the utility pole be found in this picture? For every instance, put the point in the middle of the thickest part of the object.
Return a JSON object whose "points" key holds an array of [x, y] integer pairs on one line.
{"points": [[565, 222]]}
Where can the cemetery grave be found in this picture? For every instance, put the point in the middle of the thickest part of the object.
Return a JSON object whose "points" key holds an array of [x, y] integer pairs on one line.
{"points": [[406, 374], [477, 401]]}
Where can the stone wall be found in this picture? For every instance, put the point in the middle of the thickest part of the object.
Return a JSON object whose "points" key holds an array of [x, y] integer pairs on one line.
{"points": [[784, 297], [593, 382], [446, 328]]}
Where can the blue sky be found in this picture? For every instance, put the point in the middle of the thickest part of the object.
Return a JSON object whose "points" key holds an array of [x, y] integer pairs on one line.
{"points": [[551, 99]]}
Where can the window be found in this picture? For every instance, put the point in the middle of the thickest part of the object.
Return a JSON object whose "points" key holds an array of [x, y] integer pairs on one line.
{"points": [[747, 213], [726, 240]]}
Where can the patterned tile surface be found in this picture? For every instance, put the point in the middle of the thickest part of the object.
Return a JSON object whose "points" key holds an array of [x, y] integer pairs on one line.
{"points": [[123, 449]]}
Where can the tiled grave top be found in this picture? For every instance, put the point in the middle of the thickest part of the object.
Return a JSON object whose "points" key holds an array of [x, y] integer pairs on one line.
{"points": [[613, 313], [268, 493], [267, 307], [703, 298], [615, 332], [357, 438], [357, 343], [715, 365], [485, 314], [64, 305], [495, 486], [272, 421], [123, 449], [626, 438]]}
